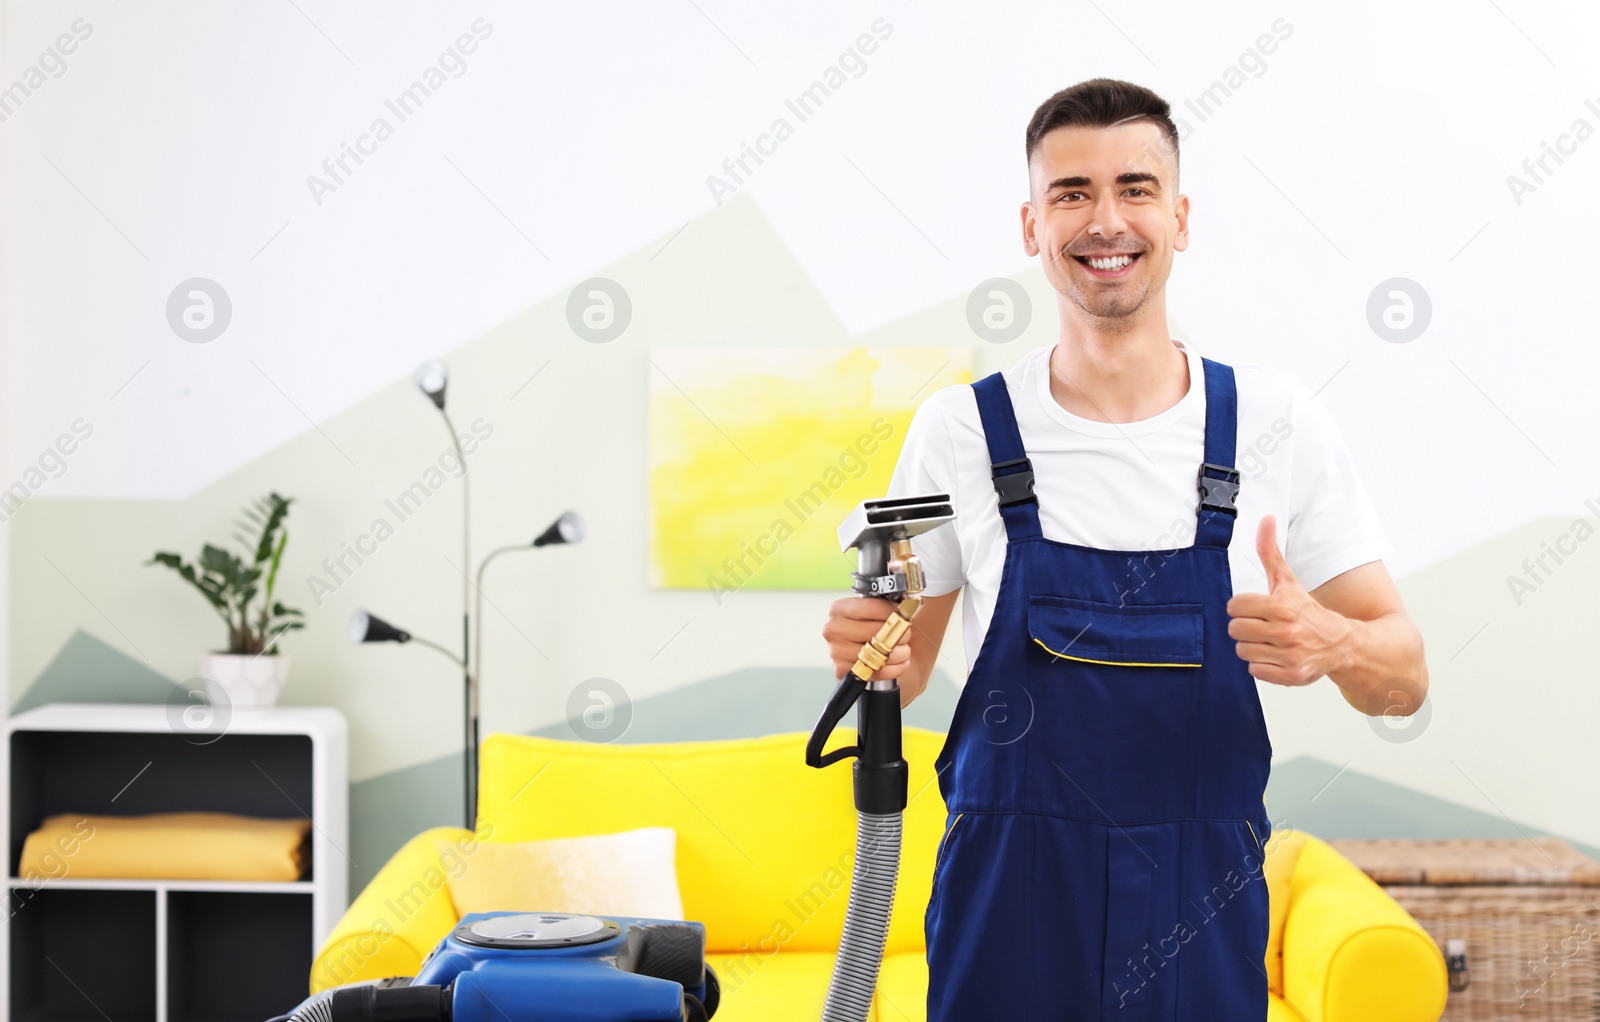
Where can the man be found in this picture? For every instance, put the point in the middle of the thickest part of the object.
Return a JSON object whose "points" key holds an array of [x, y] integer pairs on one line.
{"points": [[1106, 766]]}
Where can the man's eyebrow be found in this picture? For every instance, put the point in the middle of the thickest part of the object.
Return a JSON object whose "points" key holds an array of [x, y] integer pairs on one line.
{"points": [[1068, 182], [1130, 178]]}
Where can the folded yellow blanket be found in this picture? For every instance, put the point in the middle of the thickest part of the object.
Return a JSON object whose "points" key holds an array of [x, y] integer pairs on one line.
{"points": [[182, 846]]}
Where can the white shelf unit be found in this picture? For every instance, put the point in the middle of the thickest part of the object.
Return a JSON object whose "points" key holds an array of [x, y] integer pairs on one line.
{"points": [[74, 949]]}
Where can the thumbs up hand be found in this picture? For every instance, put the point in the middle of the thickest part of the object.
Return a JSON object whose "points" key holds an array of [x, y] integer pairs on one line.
{"points": [[1285, 635]]}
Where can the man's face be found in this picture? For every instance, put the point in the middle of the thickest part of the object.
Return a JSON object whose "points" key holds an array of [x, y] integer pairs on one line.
{"points": [[1105, 194]]}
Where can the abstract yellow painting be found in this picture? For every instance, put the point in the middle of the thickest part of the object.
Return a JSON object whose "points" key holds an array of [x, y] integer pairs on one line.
{"points": [[757, 455]]}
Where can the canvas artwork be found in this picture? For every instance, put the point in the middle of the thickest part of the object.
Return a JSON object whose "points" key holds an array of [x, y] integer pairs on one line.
{"points": [[757, 455]]}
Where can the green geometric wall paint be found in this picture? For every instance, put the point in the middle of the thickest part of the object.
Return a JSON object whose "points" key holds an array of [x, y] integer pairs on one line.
{"points": [[387, 810]]}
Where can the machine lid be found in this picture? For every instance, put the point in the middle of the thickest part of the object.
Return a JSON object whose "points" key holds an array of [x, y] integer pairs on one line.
{"points": [[536, 930]]}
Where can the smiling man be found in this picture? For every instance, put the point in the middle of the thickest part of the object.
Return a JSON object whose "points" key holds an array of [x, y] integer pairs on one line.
{"points": [[1118, 498]]}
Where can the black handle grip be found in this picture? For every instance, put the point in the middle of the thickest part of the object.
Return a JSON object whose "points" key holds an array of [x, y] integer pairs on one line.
{"points": [[839, 704]]}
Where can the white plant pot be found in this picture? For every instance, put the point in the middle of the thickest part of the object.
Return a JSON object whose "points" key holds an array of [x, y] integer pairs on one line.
{"points": [[250, 682]]}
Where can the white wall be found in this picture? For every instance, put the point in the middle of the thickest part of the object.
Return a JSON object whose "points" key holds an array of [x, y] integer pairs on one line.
{"points": [[179, 140]]}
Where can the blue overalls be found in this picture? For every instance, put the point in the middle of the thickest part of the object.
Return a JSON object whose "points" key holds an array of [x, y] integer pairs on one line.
{"points": [[1105, 774]]}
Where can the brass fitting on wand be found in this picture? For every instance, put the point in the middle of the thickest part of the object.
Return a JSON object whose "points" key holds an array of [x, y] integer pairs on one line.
{"points": [[878, 648]]}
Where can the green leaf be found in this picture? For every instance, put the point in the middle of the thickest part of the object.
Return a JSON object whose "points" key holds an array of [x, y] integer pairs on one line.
{"points": [[225, 565], [277, 559], [186, 571], [276, 509], [230, 582]]}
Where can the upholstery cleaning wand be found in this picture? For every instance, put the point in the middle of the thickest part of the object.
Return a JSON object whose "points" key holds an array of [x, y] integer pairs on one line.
{"points": [[880, 531]]}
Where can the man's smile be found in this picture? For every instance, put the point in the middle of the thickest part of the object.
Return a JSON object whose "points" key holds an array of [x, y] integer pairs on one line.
{"points": [[1109, 266]]}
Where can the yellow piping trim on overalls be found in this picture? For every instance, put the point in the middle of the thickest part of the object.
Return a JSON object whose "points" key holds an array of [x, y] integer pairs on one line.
{"points": [[1113, 663], [1257, 840], [945, 840]]}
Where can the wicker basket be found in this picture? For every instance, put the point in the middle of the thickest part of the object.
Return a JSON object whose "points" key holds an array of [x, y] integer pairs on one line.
{"points": [[1517, 919]]}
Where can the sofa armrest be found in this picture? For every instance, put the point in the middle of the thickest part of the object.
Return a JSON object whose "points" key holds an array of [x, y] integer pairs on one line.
{"points": [[1351, 953], [397, 920]]}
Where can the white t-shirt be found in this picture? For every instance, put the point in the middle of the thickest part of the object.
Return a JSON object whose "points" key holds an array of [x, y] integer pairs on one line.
{"points": [[1132, 485]]}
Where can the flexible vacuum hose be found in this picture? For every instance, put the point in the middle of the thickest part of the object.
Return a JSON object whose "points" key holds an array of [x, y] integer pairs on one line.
{"points": [[881, 532], [866, 920], [316, 1008]]}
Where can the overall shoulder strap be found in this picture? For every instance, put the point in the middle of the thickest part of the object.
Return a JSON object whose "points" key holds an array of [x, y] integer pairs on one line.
{"points": [[1219, 479], [1009, 466]]}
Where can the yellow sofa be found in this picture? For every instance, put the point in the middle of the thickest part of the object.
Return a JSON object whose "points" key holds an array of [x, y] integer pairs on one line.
{"points": [[764, 852]]}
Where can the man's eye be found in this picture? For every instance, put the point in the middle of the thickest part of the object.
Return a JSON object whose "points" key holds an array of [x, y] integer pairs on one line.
{"points": [[1070, 196], [1139, 190]]}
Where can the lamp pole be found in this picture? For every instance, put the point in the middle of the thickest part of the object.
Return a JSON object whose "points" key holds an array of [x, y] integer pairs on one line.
{"points": [[477, 641], [568, 528], [367, 627], [433, 378], [469, 685]]}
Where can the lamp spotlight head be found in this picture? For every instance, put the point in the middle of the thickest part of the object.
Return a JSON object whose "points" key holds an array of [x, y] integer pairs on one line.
{"points": [[365, 627], [568, 528], [431, 378]]}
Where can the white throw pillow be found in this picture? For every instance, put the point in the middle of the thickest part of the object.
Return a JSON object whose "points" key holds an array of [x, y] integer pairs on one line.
{"points": [[632, 873]]}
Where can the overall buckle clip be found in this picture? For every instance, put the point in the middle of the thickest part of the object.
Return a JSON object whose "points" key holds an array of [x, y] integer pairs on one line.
{"points": [[1219, 492], [1014, 487]]}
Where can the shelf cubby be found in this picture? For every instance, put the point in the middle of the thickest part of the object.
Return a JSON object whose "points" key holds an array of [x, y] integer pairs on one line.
{"points": [[84, 949]]}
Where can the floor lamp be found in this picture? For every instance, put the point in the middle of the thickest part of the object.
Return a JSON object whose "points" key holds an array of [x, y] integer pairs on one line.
{"points": [[432, 379]]}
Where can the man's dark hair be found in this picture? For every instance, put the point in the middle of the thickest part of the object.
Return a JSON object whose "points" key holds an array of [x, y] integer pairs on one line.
{"points": [[1102, 103]]}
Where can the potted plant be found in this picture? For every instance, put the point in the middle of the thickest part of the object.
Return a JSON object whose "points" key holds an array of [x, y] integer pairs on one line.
{"points": [[251, 671]]}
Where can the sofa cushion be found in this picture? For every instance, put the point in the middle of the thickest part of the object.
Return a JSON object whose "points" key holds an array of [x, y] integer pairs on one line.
{"points": [[1282, 855], [765, 843], [1350, 951], [790, 986], [902, 988], [1278, 1010]]}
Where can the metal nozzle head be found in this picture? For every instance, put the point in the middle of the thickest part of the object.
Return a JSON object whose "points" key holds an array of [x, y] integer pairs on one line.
{"points": [[881, 531], [895, 518]]}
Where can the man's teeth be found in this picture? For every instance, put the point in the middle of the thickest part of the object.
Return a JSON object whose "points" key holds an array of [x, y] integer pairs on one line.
{"points": [[1110, 262]]}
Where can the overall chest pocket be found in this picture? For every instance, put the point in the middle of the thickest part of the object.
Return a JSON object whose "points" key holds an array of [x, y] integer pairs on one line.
{"points": [[1087, 631]]}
